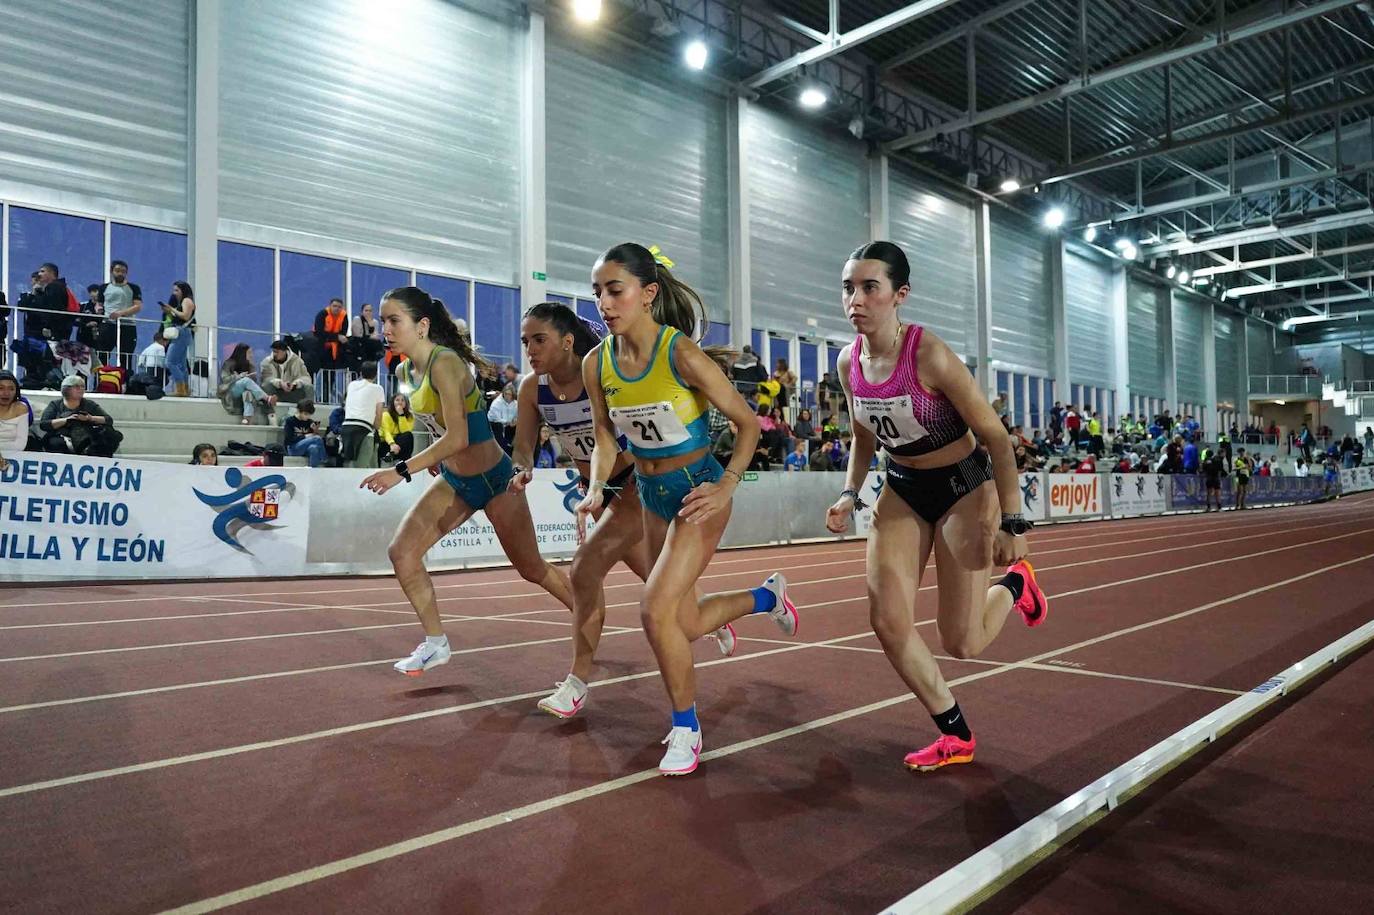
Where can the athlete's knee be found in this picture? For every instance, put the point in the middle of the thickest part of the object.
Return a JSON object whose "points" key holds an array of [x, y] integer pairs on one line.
{"points": [[532, 570], [961, 647], [586, 571], [892, 629], [656, 611], [401, 556]]}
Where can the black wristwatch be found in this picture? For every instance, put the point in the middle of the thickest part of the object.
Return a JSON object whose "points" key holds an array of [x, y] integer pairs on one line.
{"points": [[401, 468], [1016, 525]]}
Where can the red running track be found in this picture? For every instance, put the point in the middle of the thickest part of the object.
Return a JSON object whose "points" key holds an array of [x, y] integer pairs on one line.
{"points": [[205, 745]]}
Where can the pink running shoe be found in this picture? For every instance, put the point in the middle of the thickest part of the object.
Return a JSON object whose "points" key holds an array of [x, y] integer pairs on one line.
{"points": [[943, 752], [1032, 605]]}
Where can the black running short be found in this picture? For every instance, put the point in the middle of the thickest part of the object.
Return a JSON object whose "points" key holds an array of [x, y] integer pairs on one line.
{"points": [[615, 484], [932, 493]]}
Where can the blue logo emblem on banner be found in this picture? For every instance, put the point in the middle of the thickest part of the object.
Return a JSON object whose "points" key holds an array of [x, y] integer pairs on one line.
{"points": [[251, 503]]}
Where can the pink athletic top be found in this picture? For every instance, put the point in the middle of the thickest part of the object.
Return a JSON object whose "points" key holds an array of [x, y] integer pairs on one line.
{"points": [[906, 418]]}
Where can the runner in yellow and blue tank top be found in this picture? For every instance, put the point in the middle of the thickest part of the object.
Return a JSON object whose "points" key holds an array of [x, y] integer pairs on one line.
{"points": [[475, 472], [650, 382], [556, 341]]}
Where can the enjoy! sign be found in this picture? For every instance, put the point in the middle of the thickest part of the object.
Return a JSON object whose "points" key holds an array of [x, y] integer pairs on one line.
{"points": [[1075, 495]]}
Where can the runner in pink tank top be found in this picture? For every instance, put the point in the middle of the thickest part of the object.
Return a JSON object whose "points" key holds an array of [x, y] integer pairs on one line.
{"points": [[909, 394]]}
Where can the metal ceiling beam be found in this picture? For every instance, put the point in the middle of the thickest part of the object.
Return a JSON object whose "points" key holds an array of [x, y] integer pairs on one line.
{"points": [[944, 38], [1264, 233], [1236, 292], [1237, 266], [838, 43], [1158, 57]]}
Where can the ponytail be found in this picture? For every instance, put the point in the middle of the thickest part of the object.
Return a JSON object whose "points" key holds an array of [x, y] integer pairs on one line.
{"points": [[586, 336], [442, 329]]}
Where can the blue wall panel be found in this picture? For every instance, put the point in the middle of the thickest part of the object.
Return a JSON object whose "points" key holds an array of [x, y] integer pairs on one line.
{"points": [[452, 292], [496, 322], [809, 369], [587, 310], [245, 298], [717, 335], [756, 340], [307, 284], [74, 244], [370, 282], [156, 259]]}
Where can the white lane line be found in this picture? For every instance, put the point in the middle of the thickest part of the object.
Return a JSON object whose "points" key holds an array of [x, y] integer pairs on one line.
{"points": [[809, 605], [438, 837], [1049, 535]]}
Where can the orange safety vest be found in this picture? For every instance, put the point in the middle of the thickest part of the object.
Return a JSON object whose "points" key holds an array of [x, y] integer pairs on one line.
{"points": [[334, 324]]}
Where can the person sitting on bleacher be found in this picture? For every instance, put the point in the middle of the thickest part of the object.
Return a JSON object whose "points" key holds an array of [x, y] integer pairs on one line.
{"points": [[205, 455], [285, 375], [397, 435], [302, 434], [15, 418], [363, 408], [72, 424], [238, 389]]}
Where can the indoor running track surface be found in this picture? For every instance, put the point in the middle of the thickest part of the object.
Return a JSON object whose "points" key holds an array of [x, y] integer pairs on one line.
{"points": [[247, 744]]}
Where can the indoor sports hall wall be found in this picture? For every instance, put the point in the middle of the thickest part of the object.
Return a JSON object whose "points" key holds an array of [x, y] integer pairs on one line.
{"points": [[64, 518]]}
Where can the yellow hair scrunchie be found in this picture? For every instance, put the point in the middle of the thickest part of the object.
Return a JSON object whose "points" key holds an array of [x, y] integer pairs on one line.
{"points": [[660, 258]]}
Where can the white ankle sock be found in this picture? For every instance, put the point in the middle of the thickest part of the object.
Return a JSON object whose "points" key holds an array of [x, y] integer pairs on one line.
{"points": [[437, 640], [576, 682]]}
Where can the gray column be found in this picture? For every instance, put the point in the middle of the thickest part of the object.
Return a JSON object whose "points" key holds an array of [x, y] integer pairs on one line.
{"points": [[1209, 373], [1243, 367], [879, 222], [533, 217], [1059, 316], [1121, 372], [1167, 353], [982, 250], [202, 217], [737, 165]]}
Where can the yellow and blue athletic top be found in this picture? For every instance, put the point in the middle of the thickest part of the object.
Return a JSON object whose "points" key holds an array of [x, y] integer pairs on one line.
{"points": [[425, 403], [656, 411]]}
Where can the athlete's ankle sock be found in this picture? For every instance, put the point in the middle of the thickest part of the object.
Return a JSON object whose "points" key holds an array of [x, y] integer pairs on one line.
{"points": [[576, 683], [686, 719], [437, 641], [1014, 583], [764, 600], [952, 722]]}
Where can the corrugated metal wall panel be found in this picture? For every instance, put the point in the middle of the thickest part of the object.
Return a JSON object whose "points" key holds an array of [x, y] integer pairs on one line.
{"points": [[662, 181], [1260, 343], [937, 233], [1021, 329], [93, 106], [808, 209], [1188, 344], [1088, 309], [1144, 309], [1228, 344], [346, 120]]}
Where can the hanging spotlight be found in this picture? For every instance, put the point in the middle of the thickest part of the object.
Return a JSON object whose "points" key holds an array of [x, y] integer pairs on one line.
{"points": [[696, 54], [587, 10], [1090, 233], [812, 97], [1184, 276], [1010, 186], [1171, 271], [1053, 218], [1123, 243], [1128, 250]]}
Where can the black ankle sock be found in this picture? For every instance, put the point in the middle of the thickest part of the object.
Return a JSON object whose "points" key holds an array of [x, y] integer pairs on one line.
{"points": [[952, 722], [1013, 582]]}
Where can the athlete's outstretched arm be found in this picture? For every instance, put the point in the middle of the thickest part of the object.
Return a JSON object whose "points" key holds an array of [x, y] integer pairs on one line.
{"points": [[861, 452], [527, 423], [605, 450]]}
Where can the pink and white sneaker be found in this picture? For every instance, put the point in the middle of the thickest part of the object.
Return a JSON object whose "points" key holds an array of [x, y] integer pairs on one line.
{"points": [[946, 751], [684, 752], [725, 639], [567, 700], [1033, 606], [784, 612]]}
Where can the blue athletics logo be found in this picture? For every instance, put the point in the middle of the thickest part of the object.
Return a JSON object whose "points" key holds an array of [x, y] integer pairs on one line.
{"points": [[251, 503], [1030, 493], [571, 490]]}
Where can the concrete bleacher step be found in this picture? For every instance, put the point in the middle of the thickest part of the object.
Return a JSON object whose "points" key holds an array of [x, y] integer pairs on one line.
{"points": [[225, 460], [162, 437], [125, 407]]}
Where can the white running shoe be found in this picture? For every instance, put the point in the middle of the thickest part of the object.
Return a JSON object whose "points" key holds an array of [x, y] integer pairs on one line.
{"points": [[567, 700], [423, 658], [725, 639], [684, 752], [784, 612]]}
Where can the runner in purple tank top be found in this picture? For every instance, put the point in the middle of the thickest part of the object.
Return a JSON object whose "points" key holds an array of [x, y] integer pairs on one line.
{"points": [[950, 471]]}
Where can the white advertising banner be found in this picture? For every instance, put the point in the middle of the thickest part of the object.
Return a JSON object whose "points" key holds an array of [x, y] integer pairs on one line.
{"points": [[1357, 479], [1075, 495], [872, 488], [552, 497], [1034, 496], [64, 517], [1138, 494]]}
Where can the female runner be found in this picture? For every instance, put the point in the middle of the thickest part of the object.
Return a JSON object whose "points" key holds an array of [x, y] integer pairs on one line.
{"points": [[556, 340], [651, 381], [475, 471], [910, 393]]}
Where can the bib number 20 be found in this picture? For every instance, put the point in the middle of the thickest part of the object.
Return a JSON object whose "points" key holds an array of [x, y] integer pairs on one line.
{"points": [[884, 428]]}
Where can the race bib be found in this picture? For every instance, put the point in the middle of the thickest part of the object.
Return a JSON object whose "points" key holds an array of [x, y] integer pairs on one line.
{"points": [[578, 443], [890, 419], [650, 425]]}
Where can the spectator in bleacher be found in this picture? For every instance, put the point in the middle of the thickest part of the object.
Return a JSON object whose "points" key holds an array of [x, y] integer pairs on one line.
{"points": [[72, 424], [46, 303], [1124, 465], [502, 414], [796, 459], [179, 328], [820, 458], [830, 395], [832, 426], [1264, 470], [1072, 423], [238, 389], [747, 372], [153, 360], [804, 429], [204, 455], [510, 376], [91, 320], [398, 430], [546, 452], [121, 300], [364, 403], [1305, 442], [285, 375], [770, 438], [331, 330], [1348, 452], [1368, 436], [1096, 443], [1087, 465], [723, 445], [787, 383], [785, 433], [363, 337], [302, 434], [1056, 422], [15, 419], [1190, 457], [1275, 467]]}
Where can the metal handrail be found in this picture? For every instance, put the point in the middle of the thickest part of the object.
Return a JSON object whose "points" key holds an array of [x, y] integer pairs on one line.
{"points": [[1286, 384]]}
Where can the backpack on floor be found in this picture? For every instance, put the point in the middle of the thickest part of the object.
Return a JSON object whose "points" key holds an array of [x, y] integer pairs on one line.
{"points": [[109, 379]]}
